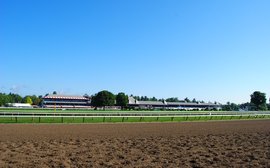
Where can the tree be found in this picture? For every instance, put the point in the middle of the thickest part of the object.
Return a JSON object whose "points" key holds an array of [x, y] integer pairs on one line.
{"points": [[258, 99], [54, 92], [194, 100], [187, 100], [121, 99], [146, 98], [41, 100], [36, 100], [9, 98], [27, 99], [230, 107], [103, 98], [86, 95], [15, 98], [3, 99], [172, 99], [246, 106], [153, 99]]}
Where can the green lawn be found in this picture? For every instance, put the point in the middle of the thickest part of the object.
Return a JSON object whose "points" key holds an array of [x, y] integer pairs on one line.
{"points": [[36, 119], [59, 111], [122, 119], [91, 111]]}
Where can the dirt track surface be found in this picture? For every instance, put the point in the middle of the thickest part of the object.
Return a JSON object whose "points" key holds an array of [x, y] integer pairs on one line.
{"points": [[196, 144]]}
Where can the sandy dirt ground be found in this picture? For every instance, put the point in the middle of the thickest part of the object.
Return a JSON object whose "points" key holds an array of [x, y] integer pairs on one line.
{"points": [[193, 144]]}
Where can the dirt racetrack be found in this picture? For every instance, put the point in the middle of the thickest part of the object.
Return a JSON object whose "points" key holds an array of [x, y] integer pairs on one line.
{"points": [[193, 144]]}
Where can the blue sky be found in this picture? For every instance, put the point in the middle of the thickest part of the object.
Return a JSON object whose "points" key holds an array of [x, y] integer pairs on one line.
{"points": [[216, 50]]}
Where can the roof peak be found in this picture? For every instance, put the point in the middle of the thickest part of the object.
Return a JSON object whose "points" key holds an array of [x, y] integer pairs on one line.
{"points": [[60, 96]]}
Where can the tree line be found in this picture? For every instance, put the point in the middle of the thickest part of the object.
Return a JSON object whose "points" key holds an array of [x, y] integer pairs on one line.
{"points": [[5, 99], [258, 102]]}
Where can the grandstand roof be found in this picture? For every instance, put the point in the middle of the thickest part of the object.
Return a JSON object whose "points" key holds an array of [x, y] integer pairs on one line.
{"points": [[150, 103], [133, 101], [192, 104], [58, 96]]}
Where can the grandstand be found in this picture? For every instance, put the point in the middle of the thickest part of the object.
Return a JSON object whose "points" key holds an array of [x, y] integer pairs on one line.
{"points": [[65, 101]]}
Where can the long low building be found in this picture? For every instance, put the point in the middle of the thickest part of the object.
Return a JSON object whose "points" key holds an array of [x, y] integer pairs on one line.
{"points": [[65, 101], [20, 105], [172, 105]]}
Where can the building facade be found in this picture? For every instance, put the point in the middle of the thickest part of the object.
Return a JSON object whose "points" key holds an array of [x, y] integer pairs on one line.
{"points": [[172, 105], [65, 101], [20, 105]]}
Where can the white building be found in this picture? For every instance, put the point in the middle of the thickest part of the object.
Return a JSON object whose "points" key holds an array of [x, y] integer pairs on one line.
{"points": [[20, 105]]}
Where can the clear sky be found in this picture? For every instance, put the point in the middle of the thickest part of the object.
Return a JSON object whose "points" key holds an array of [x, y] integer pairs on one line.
{"points": [[216, 50]]}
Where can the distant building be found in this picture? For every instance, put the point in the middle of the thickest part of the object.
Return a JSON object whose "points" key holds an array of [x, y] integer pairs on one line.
{"points": [[20, 105], [65, 101], [171, 105]]}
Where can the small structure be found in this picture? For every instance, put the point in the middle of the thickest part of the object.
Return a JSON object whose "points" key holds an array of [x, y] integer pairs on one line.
{"points": [[20, 105]]}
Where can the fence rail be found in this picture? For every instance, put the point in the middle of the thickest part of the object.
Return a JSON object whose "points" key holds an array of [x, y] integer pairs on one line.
{"points": [[127, 116], [121, 114]]}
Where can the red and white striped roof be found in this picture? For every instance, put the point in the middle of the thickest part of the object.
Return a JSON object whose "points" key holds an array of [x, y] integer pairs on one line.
{"points": [[64, 97]]}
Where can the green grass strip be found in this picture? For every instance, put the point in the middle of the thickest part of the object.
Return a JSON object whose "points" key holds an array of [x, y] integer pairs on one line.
{"points": [[124, 119]]}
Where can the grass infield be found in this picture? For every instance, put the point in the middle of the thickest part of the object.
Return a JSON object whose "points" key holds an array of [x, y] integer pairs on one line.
{"points": [[123, 119]]}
